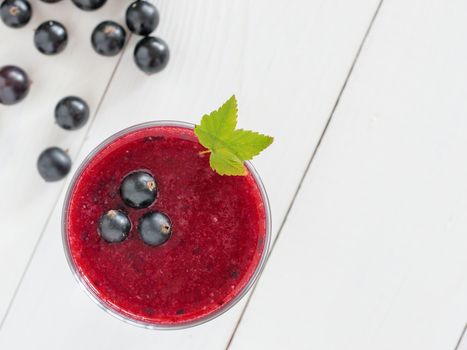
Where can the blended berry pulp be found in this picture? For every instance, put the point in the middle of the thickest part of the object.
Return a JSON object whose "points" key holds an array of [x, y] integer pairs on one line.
{"points": [[218, 229]]}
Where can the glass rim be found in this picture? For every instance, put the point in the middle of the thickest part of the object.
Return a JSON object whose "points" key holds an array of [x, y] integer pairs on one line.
{"points": [[81, 280]]}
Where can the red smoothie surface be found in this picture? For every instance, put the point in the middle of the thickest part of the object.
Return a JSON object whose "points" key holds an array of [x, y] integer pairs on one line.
{"points": [[218, 229]]}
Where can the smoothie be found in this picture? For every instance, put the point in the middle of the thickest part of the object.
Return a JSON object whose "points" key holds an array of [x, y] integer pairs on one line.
{"points": [[219, 229]]}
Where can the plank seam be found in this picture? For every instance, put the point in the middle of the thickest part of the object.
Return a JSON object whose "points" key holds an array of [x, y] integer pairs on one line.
{"points": [[315, 151], [459, 341], [34, 250]]}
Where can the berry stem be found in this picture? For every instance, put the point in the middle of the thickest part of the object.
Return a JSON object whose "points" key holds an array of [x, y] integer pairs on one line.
{"points": [[14, 11]]}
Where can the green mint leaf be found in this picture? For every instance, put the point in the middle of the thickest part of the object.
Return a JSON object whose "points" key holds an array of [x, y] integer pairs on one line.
{"points": [[229, 147], [247, 144], [226, 163]]}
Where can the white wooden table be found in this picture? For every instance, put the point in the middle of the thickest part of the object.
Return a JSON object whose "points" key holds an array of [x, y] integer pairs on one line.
{"points": [[367, 177]]}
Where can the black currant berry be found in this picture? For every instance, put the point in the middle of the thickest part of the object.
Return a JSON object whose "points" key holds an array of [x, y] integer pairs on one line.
{"points": [[51, 1], [142, 17], [138, 190], [71, 113], [108, 38], [114, 226], [14, 85], [151, 54], [89, 5], [15, 13], [51, 38], [154, 228], [53, 164]]}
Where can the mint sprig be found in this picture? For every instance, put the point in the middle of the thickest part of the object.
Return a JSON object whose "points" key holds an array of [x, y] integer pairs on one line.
{"points": [[229, 147]]}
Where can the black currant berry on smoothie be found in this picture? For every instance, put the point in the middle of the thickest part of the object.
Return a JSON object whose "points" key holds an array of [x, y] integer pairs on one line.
{"points": [[154, 228], [139, 190], [114, 226]]}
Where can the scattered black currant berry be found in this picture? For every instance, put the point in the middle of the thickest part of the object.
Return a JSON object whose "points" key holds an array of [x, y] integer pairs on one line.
{"points": [[14, 85], [142, 17], [154, 228], [51, 1], [71, 113], [108, 38], [53, 164], [114, 226], [15, 13], [51, 38], [151, 54], [138, 189], [89, 5]]}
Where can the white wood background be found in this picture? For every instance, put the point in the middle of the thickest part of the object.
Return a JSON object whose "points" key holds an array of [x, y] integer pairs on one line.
{"points": [[367, 176]]}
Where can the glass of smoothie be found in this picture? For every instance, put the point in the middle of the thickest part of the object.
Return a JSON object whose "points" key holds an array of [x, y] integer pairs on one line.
{"points": [[182, 250]]}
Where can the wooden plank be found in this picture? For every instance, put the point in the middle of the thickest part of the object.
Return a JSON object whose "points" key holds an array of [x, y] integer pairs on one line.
{"points": [[373, 253], [286, 61], [29, 127]]}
